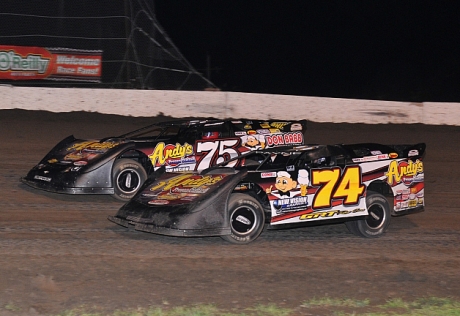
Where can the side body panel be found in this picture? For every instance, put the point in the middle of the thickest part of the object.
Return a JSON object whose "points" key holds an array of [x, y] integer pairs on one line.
{"points": [[324, 193]]}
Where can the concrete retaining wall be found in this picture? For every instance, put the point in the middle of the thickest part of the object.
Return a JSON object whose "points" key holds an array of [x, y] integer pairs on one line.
{"points": [[227, 105]]}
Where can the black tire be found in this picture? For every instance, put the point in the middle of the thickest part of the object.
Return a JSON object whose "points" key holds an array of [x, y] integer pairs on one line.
{"points": [[376, 223], [247, 218], [128, 176]]}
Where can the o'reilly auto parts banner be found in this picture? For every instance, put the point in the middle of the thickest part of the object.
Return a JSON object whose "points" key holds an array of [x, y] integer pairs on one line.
{"points": [[30, 63]]}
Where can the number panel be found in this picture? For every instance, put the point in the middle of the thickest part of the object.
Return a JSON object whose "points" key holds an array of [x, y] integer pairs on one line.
{"points": [[326, 179], [214, 152], [334, 184], [350, 187]]}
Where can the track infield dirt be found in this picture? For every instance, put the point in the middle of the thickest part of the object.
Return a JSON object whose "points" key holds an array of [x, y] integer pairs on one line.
{"points": [[59, 252]]}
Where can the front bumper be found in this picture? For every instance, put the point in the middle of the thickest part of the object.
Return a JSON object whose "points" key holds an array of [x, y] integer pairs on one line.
{"points": [[56, 187], [168, 231]]}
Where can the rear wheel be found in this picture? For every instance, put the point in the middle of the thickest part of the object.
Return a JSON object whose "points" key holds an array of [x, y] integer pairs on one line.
{"points": [[128, 176], [376, 223], [247, 219]]}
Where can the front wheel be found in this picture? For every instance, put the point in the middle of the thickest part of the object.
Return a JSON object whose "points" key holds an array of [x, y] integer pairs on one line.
{"points": [[247, 218], [128, 176], [376, 223]]}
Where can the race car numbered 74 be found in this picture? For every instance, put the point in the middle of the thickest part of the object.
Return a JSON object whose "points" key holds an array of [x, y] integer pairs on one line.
{"points": [[362, 185]]}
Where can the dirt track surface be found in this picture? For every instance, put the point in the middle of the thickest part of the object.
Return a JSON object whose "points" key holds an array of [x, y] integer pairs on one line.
{"points": [[59, 252]]}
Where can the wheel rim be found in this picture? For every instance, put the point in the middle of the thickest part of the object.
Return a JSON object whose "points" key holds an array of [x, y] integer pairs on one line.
{"points": [[376, 217], [243, 220], [128, 181]]}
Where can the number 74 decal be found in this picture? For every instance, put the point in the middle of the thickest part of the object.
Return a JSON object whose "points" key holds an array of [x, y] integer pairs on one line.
{"points": [[336, 185]]}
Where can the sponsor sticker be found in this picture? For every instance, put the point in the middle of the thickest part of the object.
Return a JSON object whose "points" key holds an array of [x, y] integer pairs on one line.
{"points": [[279, 125], [286, 205], [188, 198], [296, 127], [332, 213], [370, 158], [291, 138], [172, 155], [406, 172], [93, 146], [178, 169], [158, 202], [213, 124], [263, 131], [37, 177], [413, 152], [268, 175], [149, 195]]}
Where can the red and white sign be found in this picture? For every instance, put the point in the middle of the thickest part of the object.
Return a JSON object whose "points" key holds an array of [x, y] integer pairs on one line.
{"points": [[37, 63]]}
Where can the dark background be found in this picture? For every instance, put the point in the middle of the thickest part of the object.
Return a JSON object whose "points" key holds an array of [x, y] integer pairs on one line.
{"points": [[391, 50], [387, 50]]}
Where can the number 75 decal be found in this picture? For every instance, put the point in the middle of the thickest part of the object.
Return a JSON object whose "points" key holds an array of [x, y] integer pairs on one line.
{"points": [[216, 152], [336, 185]]}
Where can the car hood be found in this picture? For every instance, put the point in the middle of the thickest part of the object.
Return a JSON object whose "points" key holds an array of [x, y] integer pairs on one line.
{"points": [[182, 204], [80, 152], [172, 189]]}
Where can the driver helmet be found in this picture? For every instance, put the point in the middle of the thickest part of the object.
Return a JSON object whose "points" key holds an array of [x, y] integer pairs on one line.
{"points": [[210, 135]]}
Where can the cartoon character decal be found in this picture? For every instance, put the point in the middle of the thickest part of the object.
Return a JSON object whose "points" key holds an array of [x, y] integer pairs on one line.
{"points": [[253, 142], [290, 193]]}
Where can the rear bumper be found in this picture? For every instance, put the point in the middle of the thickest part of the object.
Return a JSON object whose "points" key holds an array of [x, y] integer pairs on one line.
{"points": [[417, 209]]}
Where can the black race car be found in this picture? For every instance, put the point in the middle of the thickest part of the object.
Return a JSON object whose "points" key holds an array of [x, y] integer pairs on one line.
{"points": [[362, 185], [120, 165]]}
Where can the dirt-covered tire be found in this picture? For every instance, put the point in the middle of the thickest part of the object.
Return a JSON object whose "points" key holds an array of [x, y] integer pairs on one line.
{"points": [[247, 218], [376, 223], [128, 176]]}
